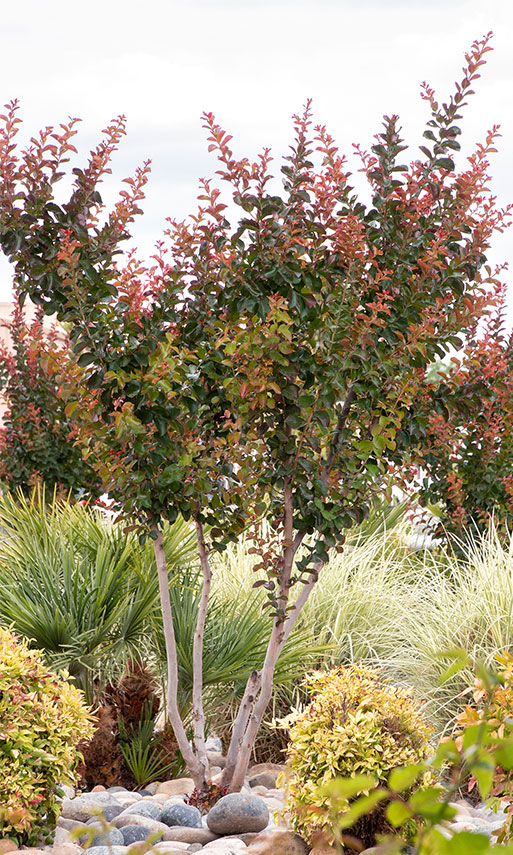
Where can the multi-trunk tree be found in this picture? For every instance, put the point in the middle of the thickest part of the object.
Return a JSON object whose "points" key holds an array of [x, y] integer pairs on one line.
{"points": [[268, 370]]}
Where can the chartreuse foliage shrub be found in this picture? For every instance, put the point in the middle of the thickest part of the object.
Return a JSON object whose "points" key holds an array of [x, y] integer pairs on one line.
{"points": [[42, 717], [354, 725], [414, 808]]}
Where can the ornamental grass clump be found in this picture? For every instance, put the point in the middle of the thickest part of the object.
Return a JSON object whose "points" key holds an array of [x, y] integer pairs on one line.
{"points": [[42, 718], [354, 725]]}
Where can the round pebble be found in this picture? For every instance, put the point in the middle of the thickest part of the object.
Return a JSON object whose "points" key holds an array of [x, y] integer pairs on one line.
{"points": [[108, 837], [237, 813], [134, 833], [149, 809], [186, 816], [107, 850]]}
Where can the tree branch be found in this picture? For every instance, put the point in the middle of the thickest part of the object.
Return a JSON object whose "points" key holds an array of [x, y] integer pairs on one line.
{"points": [[172, 658], [198, 713], [341, 421]]}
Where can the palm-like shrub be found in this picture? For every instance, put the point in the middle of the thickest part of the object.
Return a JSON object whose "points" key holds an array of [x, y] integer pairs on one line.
{"points": [[81, 589]]}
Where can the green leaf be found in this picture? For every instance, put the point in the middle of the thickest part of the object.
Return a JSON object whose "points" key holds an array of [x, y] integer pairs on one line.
{"points": [[361, 807], [70, 408], [503, 755], [461, 660], [467, 843], [403, 777], [444, 163], [347, 788], [483, 772], [85, 359], [379, 444], [398, 813]]}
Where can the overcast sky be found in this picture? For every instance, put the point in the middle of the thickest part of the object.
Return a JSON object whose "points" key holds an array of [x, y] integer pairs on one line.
{"points": [[253, 63]]}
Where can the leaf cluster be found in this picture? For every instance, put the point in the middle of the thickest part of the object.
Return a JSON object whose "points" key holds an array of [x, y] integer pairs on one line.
{"points": [[354, 726], [281, 356], [482, 748], [37, 439], [42, 718]]}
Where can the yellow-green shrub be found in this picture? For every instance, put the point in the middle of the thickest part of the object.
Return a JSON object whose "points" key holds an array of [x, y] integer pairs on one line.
{"points": [[42, 717], [354, 725]]}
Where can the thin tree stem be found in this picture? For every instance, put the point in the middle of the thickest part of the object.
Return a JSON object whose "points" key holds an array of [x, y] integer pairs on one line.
{"points": [[198, 713], [281, 631], [172, 659]]}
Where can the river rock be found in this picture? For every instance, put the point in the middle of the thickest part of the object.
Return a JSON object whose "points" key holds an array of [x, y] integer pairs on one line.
{"points": [[225, 846], [177, 787], [68, 792], [107, 837], [85, 806], [128, 799], [185, 834], [152, 788], [107, 813], [134, 833], [149, 809], [144, 821], [68, 824], [238, 812], [66, 849], [183, 815], [278, 843], [265, 779], [7, 846], [215, 758], [267, 768], [107, 850], [62, 837], [171, 846]]}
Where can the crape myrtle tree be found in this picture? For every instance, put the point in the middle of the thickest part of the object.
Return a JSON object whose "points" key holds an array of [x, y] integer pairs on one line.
{"points": [[262, 371], [37, 438], [468, 451]]}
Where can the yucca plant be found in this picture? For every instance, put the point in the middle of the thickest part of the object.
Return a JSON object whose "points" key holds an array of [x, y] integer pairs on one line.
{"points": [[142, 749], [78, 586]]}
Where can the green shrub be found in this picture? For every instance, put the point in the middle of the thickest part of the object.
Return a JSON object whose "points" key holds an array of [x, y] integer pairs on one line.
{"points": [[42, 717], [354, 725], [81, 588]]}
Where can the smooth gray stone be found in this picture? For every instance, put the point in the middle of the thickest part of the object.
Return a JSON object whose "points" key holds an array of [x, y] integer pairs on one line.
{"points": [[266, 779], [237, 813], [69, 824], [215, 758], [109, 812], [143, 821], [108, 837], [83, 807], [183, 815], [149, 809], [182, 834], [107, 850], [135, 833]]}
